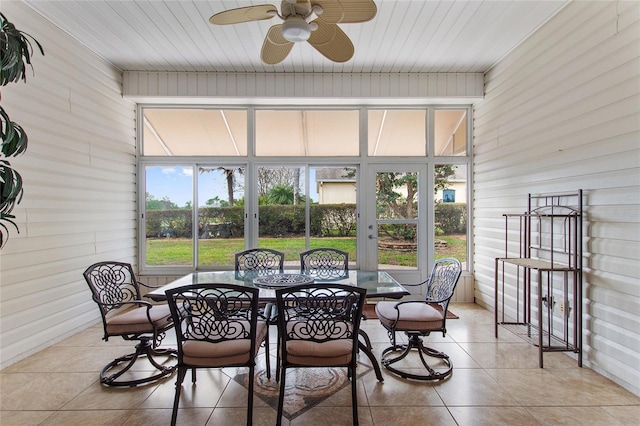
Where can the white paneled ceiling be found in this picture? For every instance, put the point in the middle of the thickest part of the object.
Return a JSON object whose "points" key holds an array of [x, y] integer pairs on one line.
{"points": [[406, 36]]}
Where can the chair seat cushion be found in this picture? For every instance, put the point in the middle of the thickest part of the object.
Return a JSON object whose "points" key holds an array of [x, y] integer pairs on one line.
{"points": [[332, 352], [220, 354], [416, 316], [135, 320]]}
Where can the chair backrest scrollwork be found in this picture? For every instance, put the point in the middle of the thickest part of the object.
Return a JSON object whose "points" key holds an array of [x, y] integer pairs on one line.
{"points": [[213, 312], [324, 259], [259, 259], [112, 284], [320, 312], [442, 281]]}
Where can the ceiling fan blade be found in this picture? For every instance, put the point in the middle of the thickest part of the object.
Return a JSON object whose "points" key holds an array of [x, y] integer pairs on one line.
{"points": [[346, 11], [244, 14], [331, 41], [275, 47]]}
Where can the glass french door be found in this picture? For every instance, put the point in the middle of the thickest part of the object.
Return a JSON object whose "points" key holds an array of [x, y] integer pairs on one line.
{"points": [[396, 237]]}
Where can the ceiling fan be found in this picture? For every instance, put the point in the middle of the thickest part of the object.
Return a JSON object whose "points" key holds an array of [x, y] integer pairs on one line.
{"points": [[314, 21]]}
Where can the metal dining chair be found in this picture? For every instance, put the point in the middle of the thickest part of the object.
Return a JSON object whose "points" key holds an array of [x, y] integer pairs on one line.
{"points": [[216, 326], [257, 260], [417, 318], [327, 264], [116, 290], [318, 327]]}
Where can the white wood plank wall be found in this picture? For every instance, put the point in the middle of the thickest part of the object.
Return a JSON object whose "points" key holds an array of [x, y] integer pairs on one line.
{"points": [[303, 85], [562, 112], [79, 202]]}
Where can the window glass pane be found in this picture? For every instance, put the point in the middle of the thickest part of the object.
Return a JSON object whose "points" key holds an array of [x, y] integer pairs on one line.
{"points": [[397, 195], [169, 215], [281, 211], [397, 214], [220, 214], [450, 132], [450, 211], [302, 133], [397, 133], [191, 132], [333, 220], [397, 246]]}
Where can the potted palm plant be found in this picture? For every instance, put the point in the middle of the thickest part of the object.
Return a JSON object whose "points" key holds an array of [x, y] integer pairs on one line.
{"points": [[16, 51]]}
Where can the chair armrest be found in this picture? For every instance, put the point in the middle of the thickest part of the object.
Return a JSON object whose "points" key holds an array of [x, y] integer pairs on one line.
{"points": [[148, 285], [405, 302], [437, 300], [148, 288], [415, 284], [138, 303]]}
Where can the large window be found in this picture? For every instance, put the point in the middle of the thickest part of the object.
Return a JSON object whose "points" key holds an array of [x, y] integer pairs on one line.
{"points": [[218, 180], [282, 206], [221, 223], [302, 207], [333, 213], [450, 211], [168, 216]]}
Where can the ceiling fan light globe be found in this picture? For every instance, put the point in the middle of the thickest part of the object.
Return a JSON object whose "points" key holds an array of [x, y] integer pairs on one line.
{"points": [[296, 29]]}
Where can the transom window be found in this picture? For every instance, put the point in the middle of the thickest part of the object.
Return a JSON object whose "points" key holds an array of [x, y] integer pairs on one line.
{"points": [[175, 132], [307, 133]]}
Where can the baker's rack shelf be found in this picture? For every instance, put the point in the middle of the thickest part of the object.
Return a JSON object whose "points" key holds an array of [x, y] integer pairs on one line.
{"points": [[538, 282]]}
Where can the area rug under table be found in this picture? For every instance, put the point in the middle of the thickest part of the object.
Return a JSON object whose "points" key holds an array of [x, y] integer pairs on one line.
{"points": [[305, 387]]}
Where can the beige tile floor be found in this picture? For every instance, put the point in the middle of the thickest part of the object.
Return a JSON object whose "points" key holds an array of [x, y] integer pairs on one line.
{"points": [[495, 381]]}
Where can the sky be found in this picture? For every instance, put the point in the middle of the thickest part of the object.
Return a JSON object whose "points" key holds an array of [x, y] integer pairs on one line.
{"points": [[176, 183]]}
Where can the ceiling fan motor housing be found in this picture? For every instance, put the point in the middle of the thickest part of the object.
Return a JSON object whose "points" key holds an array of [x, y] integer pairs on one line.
{"points": [[296, 28]]}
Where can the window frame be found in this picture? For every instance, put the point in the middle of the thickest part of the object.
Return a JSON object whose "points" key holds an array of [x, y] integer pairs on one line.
{"points": [[249, 162]]}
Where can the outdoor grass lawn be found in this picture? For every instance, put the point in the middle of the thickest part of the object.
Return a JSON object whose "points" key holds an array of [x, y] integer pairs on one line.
{"points": [[221, 251]]}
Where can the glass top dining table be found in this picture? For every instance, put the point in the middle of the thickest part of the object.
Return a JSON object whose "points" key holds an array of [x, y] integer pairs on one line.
{"points": [[377, 283]]}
